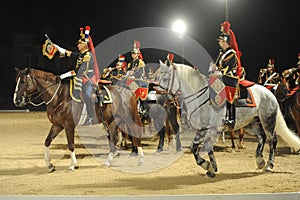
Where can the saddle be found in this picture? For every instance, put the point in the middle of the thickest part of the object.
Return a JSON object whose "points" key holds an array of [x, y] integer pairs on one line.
{"points": [[246, 98], [103, 93]]}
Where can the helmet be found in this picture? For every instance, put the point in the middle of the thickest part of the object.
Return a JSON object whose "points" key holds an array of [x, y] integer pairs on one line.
{"points": [[84, 36], [271, 62]]}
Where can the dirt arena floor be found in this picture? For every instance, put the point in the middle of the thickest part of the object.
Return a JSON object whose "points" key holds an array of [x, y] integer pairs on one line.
{"points": [[22, 166]]}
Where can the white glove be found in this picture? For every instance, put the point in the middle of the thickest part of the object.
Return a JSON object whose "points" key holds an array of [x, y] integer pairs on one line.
{"points": [[60, 49], [68, 74]]}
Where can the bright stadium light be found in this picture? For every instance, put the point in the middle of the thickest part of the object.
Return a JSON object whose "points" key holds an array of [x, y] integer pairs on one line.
{"points": [[179, 26]]}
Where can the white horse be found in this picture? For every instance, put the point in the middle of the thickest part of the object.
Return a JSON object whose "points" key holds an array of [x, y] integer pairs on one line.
{"points": [[264, 120]]}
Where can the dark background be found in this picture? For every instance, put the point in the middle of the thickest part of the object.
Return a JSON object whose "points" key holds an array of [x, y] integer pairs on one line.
{"points": [[264, 29]]}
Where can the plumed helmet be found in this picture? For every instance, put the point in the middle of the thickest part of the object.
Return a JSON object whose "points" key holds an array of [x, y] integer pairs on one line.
{"points": [[170, 57], [136, 47], [84, 35], [271, 62], [121, 61]]}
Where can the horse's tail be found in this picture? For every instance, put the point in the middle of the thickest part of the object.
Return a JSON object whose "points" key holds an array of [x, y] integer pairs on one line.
{"points": [[285, 133]]}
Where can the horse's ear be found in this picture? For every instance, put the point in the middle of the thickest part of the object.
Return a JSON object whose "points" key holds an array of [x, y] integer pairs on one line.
{"points": [[160, 62], [163, 66], [18, 70]]}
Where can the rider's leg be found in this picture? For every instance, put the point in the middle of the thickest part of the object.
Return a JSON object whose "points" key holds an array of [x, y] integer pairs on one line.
{"points": [[90, 103], [231, 115]]}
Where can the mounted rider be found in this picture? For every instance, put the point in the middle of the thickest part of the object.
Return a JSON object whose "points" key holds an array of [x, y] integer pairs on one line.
{"points": [[86, 72], [136, 75], [229, 65], [268, 77], [292, 76], [115, 73]]}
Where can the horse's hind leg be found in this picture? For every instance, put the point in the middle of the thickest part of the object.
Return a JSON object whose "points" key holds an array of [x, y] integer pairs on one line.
{"points": [[272, 145], [256, 129], [206, 165], [261, 137], [54, 131]]}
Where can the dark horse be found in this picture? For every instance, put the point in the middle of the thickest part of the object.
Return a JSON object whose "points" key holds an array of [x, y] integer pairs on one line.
{"points": [[289, 105], [64, 113]]}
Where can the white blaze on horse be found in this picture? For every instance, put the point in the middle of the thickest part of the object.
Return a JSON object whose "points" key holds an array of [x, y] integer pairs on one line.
{"points": [[264, 120]]}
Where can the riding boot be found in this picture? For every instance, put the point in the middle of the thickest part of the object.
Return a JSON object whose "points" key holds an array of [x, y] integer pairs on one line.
{"points": [[230, 122], [161, 142]]}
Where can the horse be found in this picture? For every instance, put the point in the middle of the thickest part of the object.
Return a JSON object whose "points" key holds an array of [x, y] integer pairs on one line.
{"points": [[262, 121], [290, 105], [64, 113], [161, 110]]}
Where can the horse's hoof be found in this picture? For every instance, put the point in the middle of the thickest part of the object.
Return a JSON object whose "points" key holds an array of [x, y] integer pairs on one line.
{"points": [[133, 154], [50, 168], [71, 169], [116, 153], [210, 174], [159, 150], [268, 169], [141, 162], [76, 166], [260, 162], [107, 163]]}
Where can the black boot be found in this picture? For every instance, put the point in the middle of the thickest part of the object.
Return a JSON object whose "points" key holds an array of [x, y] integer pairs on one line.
{"points": [[230, 122], [162, 133]]}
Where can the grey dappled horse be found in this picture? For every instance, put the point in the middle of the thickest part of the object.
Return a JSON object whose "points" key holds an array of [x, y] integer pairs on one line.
{"points": [[264, 120]]}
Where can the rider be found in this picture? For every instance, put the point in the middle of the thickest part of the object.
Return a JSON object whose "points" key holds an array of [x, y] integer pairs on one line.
{"points": [[115, 73], [229, 64], [292, 76], [136, 70], [86, 70], [268, 77]]}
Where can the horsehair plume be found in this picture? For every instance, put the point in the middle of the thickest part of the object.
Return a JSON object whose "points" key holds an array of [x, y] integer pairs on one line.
{"points": [[87, 33], [285, 133]]}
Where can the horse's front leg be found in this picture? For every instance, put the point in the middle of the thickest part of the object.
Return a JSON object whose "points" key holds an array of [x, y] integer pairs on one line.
{"points": [[137, 142], [112, 136], [206, 165], [54, 131], [71, 146]]}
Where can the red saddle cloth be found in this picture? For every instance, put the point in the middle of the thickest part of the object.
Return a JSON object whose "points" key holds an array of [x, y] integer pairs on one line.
{"points": [[246, 83], [246, 97]]}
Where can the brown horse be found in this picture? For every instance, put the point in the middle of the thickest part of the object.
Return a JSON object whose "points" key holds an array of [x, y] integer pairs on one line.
{"points": [[64, 113], [289, 104]]}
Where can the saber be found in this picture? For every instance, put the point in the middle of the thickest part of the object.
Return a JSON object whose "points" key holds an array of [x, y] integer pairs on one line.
{"points": [[48, 38]]}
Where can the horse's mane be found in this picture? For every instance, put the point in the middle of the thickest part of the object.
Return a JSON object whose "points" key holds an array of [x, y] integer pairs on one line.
{"points": [[192, 75], [47, 76]]}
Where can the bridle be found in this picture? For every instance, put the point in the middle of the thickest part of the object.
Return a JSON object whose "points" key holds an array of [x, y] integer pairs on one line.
{"points": [[170, 86], [31, 93]]}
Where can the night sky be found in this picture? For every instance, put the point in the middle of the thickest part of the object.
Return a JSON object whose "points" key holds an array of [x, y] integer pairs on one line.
{"points": [[264, 29]]}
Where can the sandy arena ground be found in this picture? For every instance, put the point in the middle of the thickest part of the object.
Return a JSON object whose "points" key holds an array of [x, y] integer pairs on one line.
{"points": [[22, 166]]}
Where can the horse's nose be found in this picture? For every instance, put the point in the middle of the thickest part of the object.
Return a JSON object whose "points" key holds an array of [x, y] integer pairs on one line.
{"points": [[18, 102]]}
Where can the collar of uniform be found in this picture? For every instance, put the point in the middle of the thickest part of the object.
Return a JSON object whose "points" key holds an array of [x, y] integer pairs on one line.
{"points": [[84, 51]]}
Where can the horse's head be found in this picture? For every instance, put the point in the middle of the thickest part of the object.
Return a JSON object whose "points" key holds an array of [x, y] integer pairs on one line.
{"points": [[25, 86], [168, 78], [281, 90]]}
